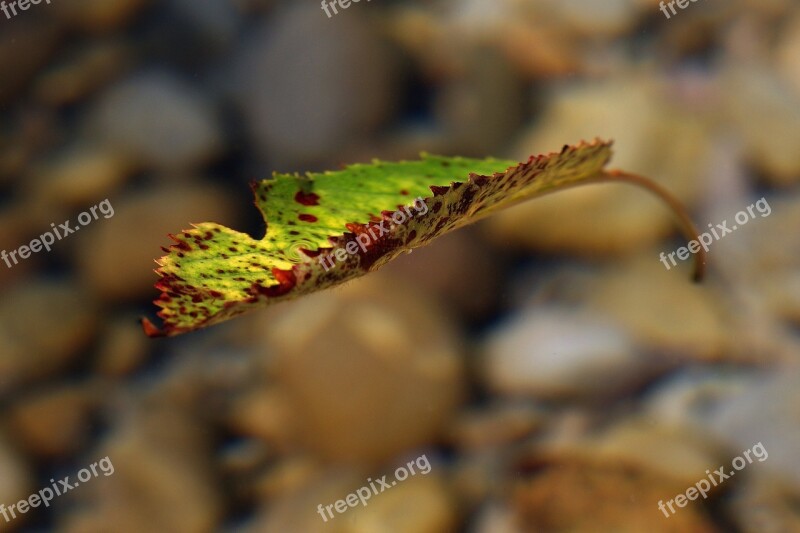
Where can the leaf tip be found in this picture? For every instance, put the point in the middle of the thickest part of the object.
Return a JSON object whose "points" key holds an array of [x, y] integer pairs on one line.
{"points": [[151, 330]]}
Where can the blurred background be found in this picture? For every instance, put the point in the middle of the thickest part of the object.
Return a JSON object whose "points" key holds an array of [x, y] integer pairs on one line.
{"points": [[555, 374]]}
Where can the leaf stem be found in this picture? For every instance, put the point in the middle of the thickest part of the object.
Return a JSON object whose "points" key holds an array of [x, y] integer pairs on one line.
{"points": [[688, 228]]}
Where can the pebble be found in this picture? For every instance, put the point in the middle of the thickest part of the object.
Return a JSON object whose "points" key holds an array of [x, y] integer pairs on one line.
{"points": [[559, 354], [44, 325], [55, 422], [762, 506], [83, 72], [764, 111], [663, 310], [420, 504], [26, 47], [342, 91], [766, 412], [159, 120], [564, 492], [162, 478], [770, 248], [398, 358], [17, 480], [122, 348], [788, 52], [496, 426], [266, 414], [80, 174]]}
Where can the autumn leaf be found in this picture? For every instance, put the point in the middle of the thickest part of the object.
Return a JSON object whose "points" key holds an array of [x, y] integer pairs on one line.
{"points": [[324, 229]]}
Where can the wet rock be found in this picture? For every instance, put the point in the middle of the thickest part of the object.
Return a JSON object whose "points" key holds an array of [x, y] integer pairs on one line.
{"points": [[159, 120], [555, 353], [118, 267], [302, 113], [43, 327], [387, 346]]}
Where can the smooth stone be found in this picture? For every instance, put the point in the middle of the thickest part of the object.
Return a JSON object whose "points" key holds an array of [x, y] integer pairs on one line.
{"points": [[398, 357], [556, 353], [159, 120]]}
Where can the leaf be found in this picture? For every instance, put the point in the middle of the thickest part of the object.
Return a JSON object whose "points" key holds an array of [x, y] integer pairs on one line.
{"points": [[367, 214]]}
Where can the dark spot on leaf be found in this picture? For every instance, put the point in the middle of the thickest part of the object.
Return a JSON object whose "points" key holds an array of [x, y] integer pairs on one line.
{"points": [[306, 198], [305, 217]]}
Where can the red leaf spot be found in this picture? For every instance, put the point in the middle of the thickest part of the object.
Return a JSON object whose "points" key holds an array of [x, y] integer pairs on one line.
{"points": [[306, 217], [306, 199]]}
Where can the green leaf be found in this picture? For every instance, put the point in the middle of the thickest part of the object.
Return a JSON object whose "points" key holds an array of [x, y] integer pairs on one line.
{"points": [[367, 214]]}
